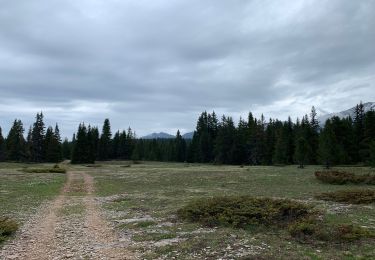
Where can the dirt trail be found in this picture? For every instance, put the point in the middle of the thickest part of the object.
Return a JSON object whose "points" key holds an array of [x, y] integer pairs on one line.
{"points": [[69, 227]]}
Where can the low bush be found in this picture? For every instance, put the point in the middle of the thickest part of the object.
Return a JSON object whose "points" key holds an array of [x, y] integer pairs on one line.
{"points": [[312, 229], [7, 228], [243, 211], [359, 196], [54, 169], [336, 177]]}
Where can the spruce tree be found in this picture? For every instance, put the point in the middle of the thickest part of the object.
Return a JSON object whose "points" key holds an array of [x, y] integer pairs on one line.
{"points": [[372, 153], [105, 141], [15, 142], [66, 149], [2, 147], [180, 148], [327, 145], [37, 148], [302, 149], [80, 149], [53, 145]]}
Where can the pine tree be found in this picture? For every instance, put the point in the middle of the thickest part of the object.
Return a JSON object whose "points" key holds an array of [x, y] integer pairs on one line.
{"points": [[359, 131], [327, 145], [372, 154], [302, 149], [37, 148], [180, 148], [53, 145], [105, 142], [15, 142], [2, 147], [66, 149], [80, 149], [91, 143]]}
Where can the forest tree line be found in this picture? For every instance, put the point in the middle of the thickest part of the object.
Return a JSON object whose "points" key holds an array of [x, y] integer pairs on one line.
{"points": [[251, 142]]}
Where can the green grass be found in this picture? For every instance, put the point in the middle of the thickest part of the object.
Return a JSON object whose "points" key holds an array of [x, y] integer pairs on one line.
{"points": [[160, 189], [21, 193]]}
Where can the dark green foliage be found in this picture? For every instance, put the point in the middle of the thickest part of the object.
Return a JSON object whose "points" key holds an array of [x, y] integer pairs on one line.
{"points": [[15, 142], [7, 228], [53, 145], [302, 149], [336, 177], [55, 169], [81, 146], [372, 154], [105, 148], [37, 141], [2, 147], [359, 196], [240, 212], [311, 229], [66, 148]]}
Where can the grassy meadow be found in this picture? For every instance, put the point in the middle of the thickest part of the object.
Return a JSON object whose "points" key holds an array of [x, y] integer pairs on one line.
{"points": [[141, 202]]}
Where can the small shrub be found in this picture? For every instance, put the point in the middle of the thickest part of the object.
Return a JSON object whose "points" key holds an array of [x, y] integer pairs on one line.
{"points": [[336, 177], [7, 228], [243, 211], [312, 229], [360, 196], [54, 169]]}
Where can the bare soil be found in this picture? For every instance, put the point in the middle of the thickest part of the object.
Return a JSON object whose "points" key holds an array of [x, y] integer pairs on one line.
{"points": [[69, 227]]}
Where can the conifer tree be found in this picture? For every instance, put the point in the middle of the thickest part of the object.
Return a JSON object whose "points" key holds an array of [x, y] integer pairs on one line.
{"points": [[301, 152], [372, 154], [37, 148], [2, 147], [327, 145], [66, 149], [180, 148], [53, 145], [15, 142], [105, 142], [80, 149], [90, 145]]}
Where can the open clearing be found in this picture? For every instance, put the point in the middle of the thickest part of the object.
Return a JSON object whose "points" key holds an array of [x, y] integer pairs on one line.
{"points": [[118, 212]]}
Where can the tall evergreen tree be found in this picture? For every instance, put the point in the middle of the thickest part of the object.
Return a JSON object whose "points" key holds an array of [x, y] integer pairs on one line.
{"points": [[37, 145], [105, 142], [66, 149], [327, 145], [2, 147], [80, 149], [180, 148], [301, 152], [53, 145], [15, 142], [372, 153]]}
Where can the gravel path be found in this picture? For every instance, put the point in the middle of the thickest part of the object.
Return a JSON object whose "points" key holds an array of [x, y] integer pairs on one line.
{"points": [[69, 227]]}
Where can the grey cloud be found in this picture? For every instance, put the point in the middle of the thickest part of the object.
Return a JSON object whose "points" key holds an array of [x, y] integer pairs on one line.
{"points": [[155, 65]]}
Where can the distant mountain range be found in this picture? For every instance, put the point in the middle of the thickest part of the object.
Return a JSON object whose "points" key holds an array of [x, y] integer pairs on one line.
{"points": [[163, 135], [346, 113], [322, 119]]}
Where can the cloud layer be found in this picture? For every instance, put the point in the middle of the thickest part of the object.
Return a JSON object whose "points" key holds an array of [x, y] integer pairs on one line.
{"points": [[155, 65]]}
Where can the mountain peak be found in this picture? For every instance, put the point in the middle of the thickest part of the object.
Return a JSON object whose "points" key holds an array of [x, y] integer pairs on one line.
{"points": [[346, 113]]}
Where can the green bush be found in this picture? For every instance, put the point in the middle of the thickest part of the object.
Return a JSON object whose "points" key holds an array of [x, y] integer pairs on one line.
{"points": [[336, 177], [54, 169], [359, 196], [312, 229], [7, 228], [243, 211]]}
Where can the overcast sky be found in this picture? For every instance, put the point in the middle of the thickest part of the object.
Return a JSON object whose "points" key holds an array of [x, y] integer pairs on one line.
{"points": [[156, 65]]}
